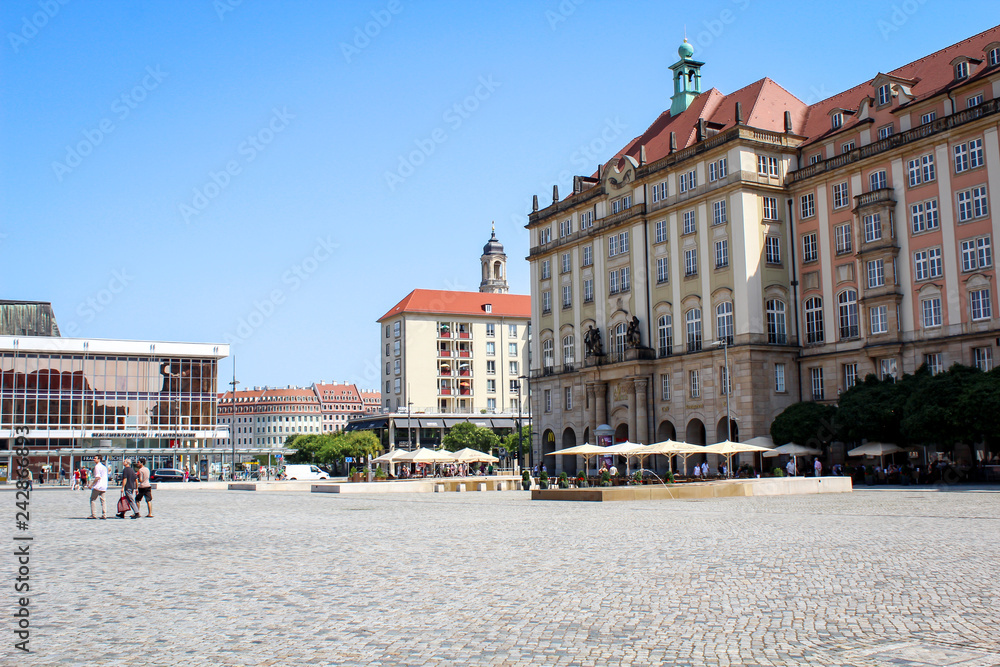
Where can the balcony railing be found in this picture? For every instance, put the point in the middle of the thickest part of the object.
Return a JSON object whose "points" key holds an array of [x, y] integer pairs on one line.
{"points": [[444, 353], [464, 353], [444, 392], [880, 196], [464, 334]]}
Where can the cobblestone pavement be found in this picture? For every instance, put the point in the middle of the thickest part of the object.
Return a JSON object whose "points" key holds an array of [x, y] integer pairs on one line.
{"points": [[237, 578]]}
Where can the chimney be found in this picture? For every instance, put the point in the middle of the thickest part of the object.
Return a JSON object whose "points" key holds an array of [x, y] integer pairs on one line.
{"points": [[788, 121], [701, 130], [739, 113], [555, 194], [600, 171], [673, 142], [534, 203], [642, 154], [576, 184]]}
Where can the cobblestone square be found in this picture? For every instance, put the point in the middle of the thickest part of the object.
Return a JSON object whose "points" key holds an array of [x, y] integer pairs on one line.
{"points": [[886, 577]]}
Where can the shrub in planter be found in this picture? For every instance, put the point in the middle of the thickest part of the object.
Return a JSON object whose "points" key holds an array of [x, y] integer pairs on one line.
{"points": [[778, 472], [379, 473], [543, 480], [637, 477], [670, 477], [563, 480], [605, 478], [525, 480], [581, 480]]}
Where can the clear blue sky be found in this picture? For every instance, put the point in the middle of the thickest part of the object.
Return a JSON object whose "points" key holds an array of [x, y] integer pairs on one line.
{"points": [[116, 116]]}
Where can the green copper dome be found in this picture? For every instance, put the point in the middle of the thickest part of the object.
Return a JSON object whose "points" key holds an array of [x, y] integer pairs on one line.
{"points": [[685, 50]]}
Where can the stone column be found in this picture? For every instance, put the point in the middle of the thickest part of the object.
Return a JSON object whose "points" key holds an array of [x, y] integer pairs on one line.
{"points": [[601, 400], [629, 389], [641, 416], [592, 411]]}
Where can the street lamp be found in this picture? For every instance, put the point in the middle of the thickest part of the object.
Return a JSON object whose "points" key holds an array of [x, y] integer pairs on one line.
{"points": [[519, 425], [232, 421]]}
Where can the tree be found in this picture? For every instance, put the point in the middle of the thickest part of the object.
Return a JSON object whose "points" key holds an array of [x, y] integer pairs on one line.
{"points": [[809, 424], [510, 442], [935, 411], [874, 409], [469, 435], [307, 446], [362, 444]]}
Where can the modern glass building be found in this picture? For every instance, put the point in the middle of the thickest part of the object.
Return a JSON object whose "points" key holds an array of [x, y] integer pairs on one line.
{"points": [[79, 396]]}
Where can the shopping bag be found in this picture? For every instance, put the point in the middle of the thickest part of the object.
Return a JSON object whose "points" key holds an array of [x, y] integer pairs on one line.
{"points": [[123, 504]]}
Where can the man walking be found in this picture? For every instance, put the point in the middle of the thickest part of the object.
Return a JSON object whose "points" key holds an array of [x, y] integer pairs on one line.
{"points": [[130, 482], [145, 491], [99, 488]]}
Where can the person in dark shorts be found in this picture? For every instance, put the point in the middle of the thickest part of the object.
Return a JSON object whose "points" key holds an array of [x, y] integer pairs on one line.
{"points": [[145, 490], [130, 481]]}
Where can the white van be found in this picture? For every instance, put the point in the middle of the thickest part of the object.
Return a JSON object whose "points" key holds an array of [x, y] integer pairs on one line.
{"points": [[304, 471]]}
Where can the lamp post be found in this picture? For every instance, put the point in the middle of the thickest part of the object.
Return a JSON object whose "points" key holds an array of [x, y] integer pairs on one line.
{"points": [[530, 444], [519, 428], [728, 386], [409, 416], [232, 421]]}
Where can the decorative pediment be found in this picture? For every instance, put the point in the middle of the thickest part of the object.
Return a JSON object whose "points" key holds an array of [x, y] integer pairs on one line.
{"points": [[620, 175]]}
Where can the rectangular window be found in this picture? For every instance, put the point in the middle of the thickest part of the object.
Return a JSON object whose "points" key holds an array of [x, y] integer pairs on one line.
{"points": [[547, 400], [974, 101], [491, 348], [695, 384], [664, 387], [816, 380], [396, 329], [887, 368], [933, 363], [723, 167], [662, 270], [619, 205], [961, 158], [850, 375], [994, 56], [659, 191], [841, 195], [567, 264], [921, 170], [490, 330], [567, 296], [980, 305], [725, 384], [810, 249], [491, 367], [613, 245], [876, 180], [722, 253], [920, 265], [586, 219], [661, 231], [924, 216], [588, 290], [546, 302], [546, 269], [779, 378], [847, 148], [719, 212], [545, 235], [873, 227], [928, 117], [934, 269], [692, 180], [513, 368], [613, 282], [772, 249], [770, 208], [885, 132], [930, 310], [815, 157], [884, 95], [808, 205], [682, 181], [843, 238], [491, 404], [565, 228], [879, 316], [767, 166], [511, 331], [691, 262], [624, 278], [588, 255], [836, 120], [876, 273], [567, 398], [982, 358], [491, 386], [712, 172], [689, 224]]}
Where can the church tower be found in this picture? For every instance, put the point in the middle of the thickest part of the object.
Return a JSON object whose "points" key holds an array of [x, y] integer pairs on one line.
{"points": [[494, 263]]}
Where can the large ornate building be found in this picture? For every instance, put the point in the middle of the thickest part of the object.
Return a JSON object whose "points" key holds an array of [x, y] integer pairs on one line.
{"points": [[814, 244]]}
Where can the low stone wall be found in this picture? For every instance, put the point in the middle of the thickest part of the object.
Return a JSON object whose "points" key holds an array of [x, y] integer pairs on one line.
{"points": [[770, 486], [428, 485]]}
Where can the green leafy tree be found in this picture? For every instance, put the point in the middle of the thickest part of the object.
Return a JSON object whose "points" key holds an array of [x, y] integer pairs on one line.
{"points": [[307, 446], [874, 409], [510, 441], [362, 445], [469, 435], [936, 410], [806, 423]]}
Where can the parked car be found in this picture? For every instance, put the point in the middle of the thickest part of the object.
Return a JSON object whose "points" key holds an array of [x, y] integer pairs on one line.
{"points": [[304, 471], [167, 475]]}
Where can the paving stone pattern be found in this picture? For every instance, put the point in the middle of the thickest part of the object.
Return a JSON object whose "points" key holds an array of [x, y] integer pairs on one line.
{"points": [[234, 578]]}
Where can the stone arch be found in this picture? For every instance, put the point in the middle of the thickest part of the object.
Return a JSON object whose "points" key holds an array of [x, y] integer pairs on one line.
{"points": [[548, 446], [665, 431], [721, 433], [587, 436], [498, 270], [695, 435], [568, 463], [621, 432]]}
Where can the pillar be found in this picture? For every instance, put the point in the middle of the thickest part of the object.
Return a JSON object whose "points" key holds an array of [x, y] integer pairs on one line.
{"points": [[600, 399], [592, 422], [633, 431], [641, 416]]}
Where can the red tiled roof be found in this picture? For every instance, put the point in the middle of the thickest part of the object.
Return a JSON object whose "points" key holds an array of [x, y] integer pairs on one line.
{"points": [[462, 303]]}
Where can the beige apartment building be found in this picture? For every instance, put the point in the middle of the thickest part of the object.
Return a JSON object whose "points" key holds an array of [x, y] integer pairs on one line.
{"points": [[809, 244], [449, 352]]}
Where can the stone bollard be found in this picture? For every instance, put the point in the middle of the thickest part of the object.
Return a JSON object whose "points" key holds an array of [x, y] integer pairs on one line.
{"points": [[439, 488], [460, 488], [480, 486]]}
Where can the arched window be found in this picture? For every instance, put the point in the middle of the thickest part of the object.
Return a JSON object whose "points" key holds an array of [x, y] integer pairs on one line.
{"points": [[814, 320], [620, 341], [724, 322], [665, 335], [847, 304], [776, 330], [569, 352], [693, 322], [497, 271], [548, 356]]}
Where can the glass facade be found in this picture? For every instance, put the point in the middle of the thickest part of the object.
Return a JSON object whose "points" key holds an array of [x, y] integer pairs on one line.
{"points": [[107, 393]]}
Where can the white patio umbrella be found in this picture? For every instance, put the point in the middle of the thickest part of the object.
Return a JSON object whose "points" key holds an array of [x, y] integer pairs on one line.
{"points": [[794, 450], [390, 457], [469, 455], [625, 449], [669, 447], [727, 448], [879, 449], [424, 455], [586, 450]]}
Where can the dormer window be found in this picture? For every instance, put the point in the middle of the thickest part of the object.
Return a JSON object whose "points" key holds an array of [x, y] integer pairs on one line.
{"points": [[884, 95], [837, 120], [961, 70], [993, 57]]}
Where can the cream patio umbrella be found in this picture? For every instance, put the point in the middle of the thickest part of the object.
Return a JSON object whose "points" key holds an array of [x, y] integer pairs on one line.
{"points": [[625, 449], [586, 450], [469, 455], [794, 450], [669, 447], [727, 448], [424, 455], [390, 457], [879, 449]]}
